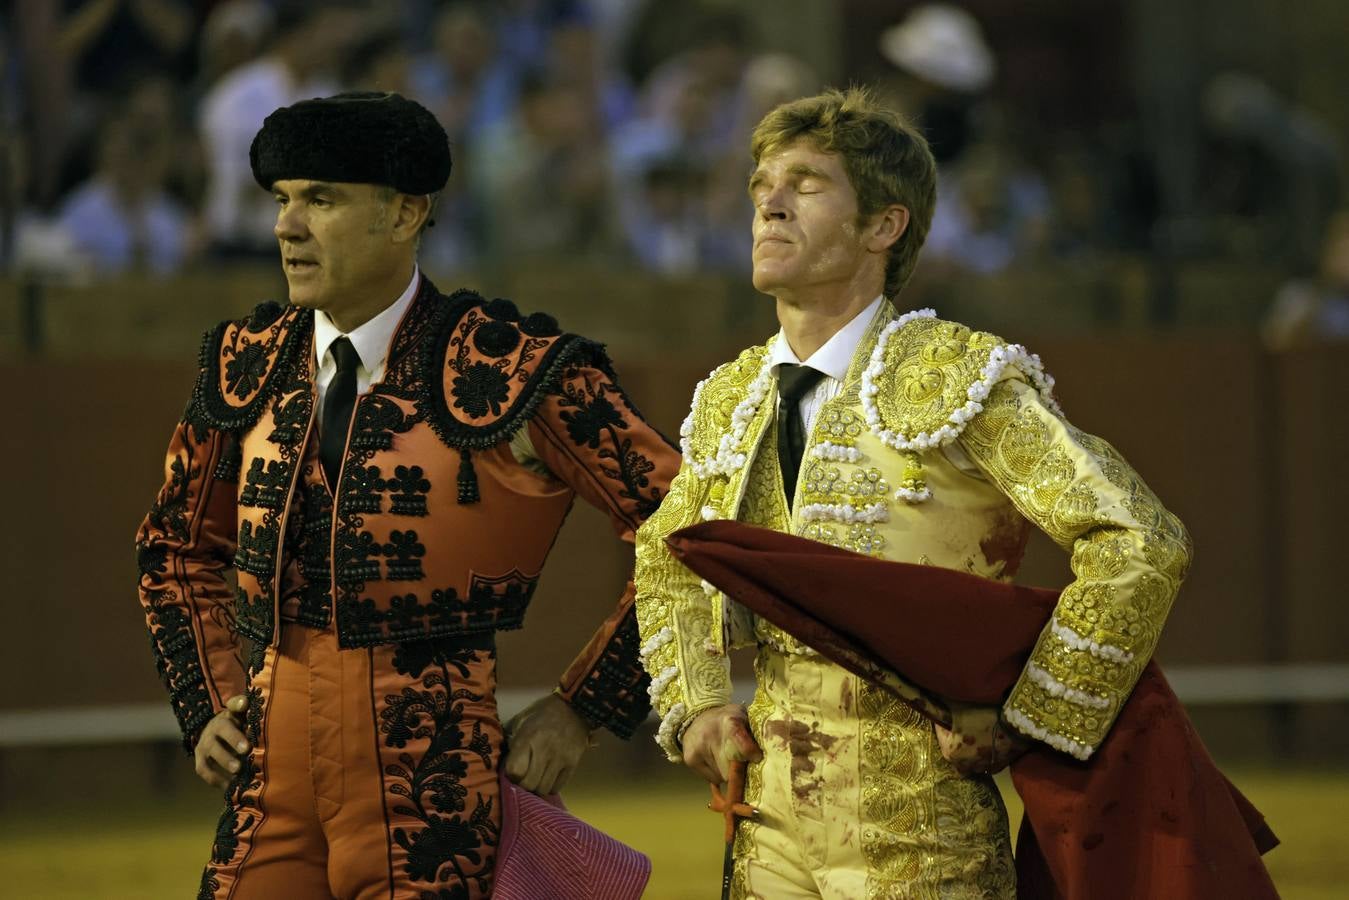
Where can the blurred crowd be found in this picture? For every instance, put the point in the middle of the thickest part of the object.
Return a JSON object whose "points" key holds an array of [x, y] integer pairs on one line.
{"points": [[607, 130], [580, 130]]}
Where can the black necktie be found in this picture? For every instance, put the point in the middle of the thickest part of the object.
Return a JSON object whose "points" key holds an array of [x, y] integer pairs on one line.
{"points": [[337, 403], [793, 383]]}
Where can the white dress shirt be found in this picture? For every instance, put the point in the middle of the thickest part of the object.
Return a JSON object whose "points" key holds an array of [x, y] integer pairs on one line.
{"points": [[370, 340], [833, 359]]}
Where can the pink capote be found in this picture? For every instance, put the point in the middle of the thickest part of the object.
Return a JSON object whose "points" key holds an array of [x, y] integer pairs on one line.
{"points": [[546, 852], [1148, 816]]}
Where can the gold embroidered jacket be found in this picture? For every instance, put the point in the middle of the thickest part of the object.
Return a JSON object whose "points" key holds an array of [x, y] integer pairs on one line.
{"points": [[942, 448], [434, 529]]}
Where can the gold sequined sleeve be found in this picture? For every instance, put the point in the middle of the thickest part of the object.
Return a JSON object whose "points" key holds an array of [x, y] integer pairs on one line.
{"points": [[674, 615], [1128, 558]]}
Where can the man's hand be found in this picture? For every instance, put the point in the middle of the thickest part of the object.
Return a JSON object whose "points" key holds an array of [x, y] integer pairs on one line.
{"points": [[716, 738], [222, 742], [978, 742], [545, 741]]}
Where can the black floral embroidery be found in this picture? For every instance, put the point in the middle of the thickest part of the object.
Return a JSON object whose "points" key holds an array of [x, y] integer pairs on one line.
{"points": [[405, 614], [362, 489], [209, 885], [243, 373], [406, 362], [411, 658], [316, 603], [312, 554], [249, 378], [253, 616], [378, 418], [403, 555], [590, 422], [493, 604], [354, 564], [454, 843], [481, 387], [290, 419], [594, 421], [256, 549], [227, 831], [408, 489], [259, 538], [473, 405], [613, 694], [241, 812], [172, 642], [168, 514], [176, 661], [265, 484], [152, 559]]}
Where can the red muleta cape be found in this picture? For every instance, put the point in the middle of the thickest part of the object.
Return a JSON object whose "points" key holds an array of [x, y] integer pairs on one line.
{"points": [[1148, 816]]}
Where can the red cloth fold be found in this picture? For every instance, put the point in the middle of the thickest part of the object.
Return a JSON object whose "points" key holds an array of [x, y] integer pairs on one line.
{"points": [[1149, 815]]}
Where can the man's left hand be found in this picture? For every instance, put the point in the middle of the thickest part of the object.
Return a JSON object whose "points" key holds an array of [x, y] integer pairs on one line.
{"points": [[978, 741], [545, 742]]}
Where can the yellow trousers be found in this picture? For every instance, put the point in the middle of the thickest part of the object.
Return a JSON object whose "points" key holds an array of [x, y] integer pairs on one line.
{"points": [[855, 800]]}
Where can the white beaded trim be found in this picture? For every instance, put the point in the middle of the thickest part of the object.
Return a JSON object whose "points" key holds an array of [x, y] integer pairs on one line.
{"points": [[660, 682], [1075, 641], [728, 458], [842, 512], [909, 495], [655, 642], [1057, 688], [836, 452], [665, 735], [998, 360], [1022, 723]]}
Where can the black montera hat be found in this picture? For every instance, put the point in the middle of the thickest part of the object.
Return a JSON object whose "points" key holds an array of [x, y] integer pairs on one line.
{"points": [[365, 138]]}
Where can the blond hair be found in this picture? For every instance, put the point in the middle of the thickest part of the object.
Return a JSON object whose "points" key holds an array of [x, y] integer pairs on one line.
{"points": [[887, 161]]}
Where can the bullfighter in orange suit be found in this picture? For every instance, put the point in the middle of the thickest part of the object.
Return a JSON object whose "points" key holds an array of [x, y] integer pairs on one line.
{"points": [[384, 468]]}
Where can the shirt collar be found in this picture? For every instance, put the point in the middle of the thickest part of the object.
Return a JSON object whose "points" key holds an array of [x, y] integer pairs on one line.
{"points": [[834, 357], [372, 339]]}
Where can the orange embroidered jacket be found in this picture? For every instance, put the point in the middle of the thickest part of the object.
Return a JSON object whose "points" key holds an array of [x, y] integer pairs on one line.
{"points": [[434, 528]]}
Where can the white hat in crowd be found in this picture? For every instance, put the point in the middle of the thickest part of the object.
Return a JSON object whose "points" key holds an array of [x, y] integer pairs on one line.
{"points": [[942, 44]]}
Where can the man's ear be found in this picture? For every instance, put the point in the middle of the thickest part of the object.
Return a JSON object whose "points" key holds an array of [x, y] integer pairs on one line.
{"points": [[410, 215], [887, 227]]}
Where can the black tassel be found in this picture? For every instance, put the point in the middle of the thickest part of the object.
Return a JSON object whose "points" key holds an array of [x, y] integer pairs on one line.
{"points": [[468, 479]]}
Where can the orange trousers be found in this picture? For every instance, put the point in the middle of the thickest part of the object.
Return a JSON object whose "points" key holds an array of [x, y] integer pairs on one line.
{"points": [[373, 774]]}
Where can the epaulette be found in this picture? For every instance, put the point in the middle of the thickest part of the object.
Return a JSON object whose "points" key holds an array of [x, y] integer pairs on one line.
{"points": [[487, 368], [928, 378], [243, 362]]}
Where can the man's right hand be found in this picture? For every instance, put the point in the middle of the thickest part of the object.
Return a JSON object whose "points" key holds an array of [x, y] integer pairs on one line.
{"points": [[222, 742], [716, 738]]}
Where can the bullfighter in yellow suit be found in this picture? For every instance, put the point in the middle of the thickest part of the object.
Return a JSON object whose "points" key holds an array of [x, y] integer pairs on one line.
{"points": [[914, 439]]}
